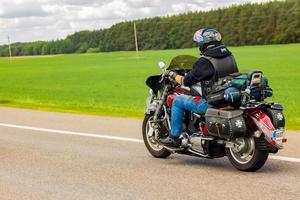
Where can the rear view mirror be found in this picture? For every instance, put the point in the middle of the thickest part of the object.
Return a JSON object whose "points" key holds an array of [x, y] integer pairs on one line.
{"points": [[162, 65]]}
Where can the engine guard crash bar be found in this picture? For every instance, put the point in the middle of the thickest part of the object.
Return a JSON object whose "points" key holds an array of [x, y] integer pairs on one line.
{"points": [[166, 117]]}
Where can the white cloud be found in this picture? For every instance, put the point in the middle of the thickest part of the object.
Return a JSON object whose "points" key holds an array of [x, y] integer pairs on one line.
{"points": [[18, 8], [30, 20]]}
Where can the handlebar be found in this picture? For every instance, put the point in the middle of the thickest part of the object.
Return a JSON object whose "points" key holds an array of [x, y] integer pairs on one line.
{"points": [[165, 72]]}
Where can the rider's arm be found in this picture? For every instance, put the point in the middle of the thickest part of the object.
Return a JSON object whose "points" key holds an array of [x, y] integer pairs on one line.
{"points": [[202, 70], [178, 78]]}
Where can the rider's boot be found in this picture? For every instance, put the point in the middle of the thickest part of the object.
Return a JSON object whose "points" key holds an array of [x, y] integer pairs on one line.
{"points": [[171, 141]]}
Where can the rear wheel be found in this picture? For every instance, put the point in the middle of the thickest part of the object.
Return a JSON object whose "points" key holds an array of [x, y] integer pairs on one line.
{"points": [[152, 145], [245, 156]]}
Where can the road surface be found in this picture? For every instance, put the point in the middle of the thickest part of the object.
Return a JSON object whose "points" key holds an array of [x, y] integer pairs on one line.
{"points": [[47, 155]]}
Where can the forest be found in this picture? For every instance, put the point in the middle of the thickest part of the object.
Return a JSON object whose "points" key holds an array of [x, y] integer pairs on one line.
{"points": [[275, 22]]}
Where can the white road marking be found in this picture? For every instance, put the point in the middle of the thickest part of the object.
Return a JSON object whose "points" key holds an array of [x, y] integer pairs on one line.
{"points": [[285, 158], [109, 137], [72, 133]]}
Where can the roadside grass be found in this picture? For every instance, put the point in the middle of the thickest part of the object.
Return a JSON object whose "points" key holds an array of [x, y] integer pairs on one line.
{"points": [[114, 83]]}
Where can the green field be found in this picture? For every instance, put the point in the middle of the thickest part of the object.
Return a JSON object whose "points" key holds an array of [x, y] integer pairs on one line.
{"points": [[113, 83]]}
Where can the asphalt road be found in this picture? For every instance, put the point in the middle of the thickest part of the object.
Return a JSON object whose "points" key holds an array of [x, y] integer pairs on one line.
{"points": [[64, 156]]}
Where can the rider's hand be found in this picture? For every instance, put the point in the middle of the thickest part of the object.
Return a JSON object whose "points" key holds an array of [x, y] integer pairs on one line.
{"points": [[172, 74], [175, 77]]}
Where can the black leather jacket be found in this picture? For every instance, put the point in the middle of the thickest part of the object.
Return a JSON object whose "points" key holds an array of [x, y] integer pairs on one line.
{"points": [[203, 69]]}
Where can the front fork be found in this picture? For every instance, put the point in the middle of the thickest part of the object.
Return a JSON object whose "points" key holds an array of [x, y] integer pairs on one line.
{"points": [[155, 124]]}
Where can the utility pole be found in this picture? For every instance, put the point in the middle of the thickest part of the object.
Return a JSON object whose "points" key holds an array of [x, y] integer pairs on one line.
{"points": [[135, 38], [9, 49]]}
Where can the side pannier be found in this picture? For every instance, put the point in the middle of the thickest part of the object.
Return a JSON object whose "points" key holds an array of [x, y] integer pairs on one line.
{"points": [[226, 124], [275, 112]]}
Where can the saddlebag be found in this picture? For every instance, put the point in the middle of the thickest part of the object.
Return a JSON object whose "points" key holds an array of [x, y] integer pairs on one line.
{"points": [[275, 112], [226, 124]]}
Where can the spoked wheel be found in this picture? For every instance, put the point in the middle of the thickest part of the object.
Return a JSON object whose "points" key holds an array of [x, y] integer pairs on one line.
{"points": [[152, 145], [245, 156]]}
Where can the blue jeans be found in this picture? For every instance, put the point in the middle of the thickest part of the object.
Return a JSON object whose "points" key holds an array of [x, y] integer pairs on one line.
{"points": [[182, 103]]}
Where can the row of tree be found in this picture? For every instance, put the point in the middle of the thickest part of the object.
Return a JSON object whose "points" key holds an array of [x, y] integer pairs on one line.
{"points": [[274, 22]]}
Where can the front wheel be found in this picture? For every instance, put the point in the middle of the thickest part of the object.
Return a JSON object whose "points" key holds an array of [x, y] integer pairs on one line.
{"points": [[245, 156], [152, 145]]}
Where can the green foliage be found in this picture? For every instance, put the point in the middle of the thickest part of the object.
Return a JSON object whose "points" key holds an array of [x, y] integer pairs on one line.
{"points": [[114, 83], [93, 50], [82, 47], [275, 22]]}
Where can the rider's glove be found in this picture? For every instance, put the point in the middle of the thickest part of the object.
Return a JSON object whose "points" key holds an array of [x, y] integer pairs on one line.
{"points": [[176, 77], [172, 74]]}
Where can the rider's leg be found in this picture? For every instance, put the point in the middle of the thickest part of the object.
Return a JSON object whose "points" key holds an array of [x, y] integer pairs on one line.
{"points": [[182, 103], [177, 115]]}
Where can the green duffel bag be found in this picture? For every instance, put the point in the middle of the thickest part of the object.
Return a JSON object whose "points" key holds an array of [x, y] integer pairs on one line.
{"points": [[240, 81]]}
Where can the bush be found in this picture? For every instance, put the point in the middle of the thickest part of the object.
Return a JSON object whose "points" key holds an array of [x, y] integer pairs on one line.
{"points": [[93, 50]]}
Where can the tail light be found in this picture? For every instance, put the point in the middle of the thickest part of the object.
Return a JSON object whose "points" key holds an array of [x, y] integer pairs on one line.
{"points": [[284, 140]]}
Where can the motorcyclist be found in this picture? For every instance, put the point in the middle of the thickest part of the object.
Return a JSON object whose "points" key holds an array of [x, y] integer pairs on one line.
{"points": [[216, 62]]}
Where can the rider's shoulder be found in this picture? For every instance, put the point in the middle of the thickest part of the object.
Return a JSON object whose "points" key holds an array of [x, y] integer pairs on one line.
{"points": [[202, 61]]}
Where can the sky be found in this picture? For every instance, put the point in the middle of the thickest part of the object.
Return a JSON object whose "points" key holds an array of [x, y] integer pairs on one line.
{"points": [[32, 20]]}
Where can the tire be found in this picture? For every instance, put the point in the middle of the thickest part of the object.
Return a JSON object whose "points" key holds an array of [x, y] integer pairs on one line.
{"points": [[256, 161], [158, 152]]}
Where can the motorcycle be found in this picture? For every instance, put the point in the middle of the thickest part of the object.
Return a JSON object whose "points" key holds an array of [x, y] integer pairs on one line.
{"points": [[245, 132]]}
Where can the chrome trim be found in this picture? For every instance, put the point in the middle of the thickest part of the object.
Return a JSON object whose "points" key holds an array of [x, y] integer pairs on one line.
{"points": [[198, 153], [167, 118]]}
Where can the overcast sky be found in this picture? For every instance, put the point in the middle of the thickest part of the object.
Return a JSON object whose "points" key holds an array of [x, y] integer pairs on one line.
{"points": [[30, 20]]}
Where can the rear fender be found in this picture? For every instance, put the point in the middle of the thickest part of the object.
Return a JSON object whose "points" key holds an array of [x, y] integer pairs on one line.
{"points": [[265, 127]]}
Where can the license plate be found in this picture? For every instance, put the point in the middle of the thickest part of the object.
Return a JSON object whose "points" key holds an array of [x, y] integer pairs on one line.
{"points": [[277, 135]]}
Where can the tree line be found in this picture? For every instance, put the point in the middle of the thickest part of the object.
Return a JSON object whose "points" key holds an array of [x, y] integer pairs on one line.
{"points": [[275, 22]]}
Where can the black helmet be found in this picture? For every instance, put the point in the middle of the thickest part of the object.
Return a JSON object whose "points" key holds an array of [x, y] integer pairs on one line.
{"points": [[207, 38]]}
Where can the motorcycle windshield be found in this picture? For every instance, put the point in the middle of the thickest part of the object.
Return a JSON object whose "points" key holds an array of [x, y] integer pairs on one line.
{"points": [[182, 62]]}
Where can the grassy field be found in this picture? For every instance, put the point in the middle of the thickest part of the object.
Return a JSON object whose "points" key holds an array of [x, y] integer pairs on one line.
{"points": [[113, 83]]}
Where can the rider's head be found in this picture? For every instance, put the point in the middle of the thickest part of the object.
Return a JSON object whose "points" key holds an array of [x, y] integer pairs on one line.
{"points": [[207, 38]]}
